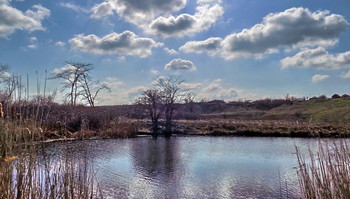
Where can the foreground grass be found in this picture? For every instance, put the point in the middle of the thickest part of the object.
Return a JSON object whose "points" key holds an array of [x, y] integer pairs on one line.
{"points": [[23, 175], [327, 175]]}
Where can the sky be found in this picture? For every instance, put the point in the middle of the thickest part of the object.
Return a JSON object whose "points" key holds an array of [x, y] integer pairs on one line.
{"points": [[223, 49]]}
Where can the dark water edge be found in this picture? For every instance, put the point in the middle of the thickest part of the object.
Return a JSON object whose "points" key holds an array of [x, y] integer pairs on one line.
{"points": [[192, 166]]}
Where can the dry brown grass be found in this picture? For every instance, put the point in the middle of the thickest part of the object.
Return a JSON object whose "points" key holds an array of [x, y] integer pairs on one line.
{"points": [[22, 176], [121, 127], [327, 175], [261, 128]]}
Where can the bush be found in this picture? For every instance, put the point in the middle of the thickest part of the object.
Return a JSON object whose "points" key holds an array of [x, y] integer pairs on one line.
{"points": [[335, 96]]}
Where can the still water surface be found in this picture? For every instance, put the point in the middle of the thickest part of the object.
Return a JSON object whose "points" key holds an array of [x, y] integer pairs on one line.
{"points": [[193, 167]]}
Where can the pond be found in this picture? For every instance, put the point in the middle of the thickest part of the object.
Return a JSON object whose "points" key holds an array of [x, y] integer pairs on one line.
{"points": [[192, 167]]}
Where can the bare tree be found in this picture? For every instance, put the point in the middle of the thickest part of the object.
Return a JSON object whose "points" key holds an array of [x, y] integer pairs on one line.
{"points": [[189, 101], [71, 74], [91, 89], [152, 101], [172, 93]]}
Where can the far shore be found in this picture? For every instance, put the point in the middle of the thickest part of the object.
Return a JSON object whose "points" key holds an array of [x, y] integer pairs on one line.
{"points": [[220, 127]]}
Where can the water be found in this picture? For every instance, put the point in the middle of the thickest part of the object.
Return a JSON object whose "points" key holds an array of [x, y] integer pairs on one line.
{"points": [[192, 167]]}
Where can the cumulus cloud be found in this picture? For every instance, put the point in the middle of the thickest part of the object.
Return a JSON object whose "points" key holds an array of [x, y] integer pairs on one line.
{"points": [[210, 46], [155, 16], [137, 11], [293, 28], [215, 90], [65, 69], [12, 19], [317, 58], [126, 43], [318, 78], [180, 64], [185, 24]]}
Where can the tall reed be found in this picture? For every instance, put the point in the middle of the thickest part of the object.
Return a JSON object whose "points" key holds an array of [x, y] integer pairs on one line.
{"points": [[29, 173], [28, 178], [327, 173]]}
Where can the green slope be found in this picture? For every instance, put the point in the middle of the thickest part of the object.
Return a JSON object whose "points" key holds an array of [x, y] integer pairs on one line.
{"points": [[327, 110]]}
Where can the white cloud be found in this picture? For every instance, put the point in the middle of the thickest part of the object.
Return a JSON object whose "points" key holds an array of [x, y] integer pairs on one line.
{"points": [[12, 19], [345, 75], [317, 58], [67, 68], [60, 43], [113, 82], [126, 43], [121, 93], [293, 28], [170, 51], [209, 46], [156, 16], [318, 78], [215, 90], [206, 15], [32, 46], [191, 86], [102, 10], [32, 43], [74, 7], [33, 39], [137, 11], [180, 64]]}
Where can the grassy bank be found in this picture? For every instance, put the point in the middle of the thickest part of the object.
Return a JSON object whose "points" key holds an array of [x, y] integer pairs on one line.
{"points": [[262, 128]]}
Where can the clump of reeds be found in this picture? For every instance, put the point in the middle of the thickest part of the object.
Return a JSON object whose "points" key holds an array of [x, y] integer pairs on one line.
{"points": [[26, 177], [327, 173]]}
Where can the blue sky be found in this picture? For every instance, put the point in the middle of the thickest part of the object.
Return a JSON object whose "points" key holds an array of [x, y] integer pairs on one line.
{"points": [[223, 49]]}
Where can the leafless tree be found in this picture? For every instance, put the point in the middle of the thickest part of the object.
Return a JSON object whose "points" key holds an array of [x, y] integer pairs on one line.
{"points": [[172, 92], [79, 83], [189, 101], [91, 89], [153, 102], [71, 75]]}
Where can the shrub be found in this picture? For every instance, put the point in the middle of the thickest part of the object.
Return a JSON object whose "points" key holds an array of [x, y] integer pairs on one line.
{"points": [[336, 96]]}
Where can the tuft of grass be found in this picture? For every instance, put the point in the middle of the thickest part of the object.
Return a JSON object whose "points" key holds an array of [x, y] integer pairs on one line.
{"points": [[327, 174]]}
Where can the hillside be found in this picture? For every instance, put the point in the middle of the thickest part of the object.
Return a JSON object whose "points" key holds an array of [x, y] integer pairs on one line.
{"points": [[318, 110]]}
